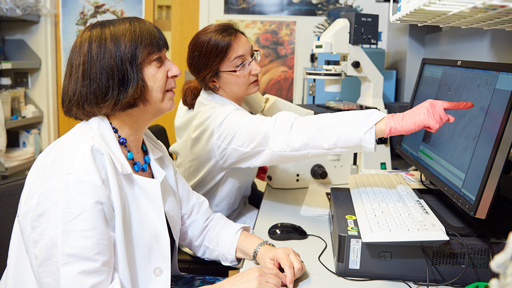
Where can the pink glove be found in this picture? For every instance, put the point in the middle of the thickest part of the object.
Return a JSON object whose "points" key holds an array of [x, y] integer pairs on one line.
{"points": [[430, 115]]}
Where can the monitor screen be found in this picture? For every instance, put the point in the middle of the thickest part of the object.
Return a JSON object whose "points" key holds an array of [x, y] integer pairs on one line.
{"points": [[464, 159]]}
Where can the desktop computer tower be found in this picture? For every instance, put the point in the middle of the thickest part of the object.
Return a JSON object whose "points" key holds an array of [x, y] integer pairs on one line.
{"points": [[356, 259]]}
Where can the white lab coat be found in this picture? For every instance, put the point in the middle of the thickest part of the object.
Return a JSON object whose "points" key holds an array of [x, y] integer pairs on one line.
{"points": [[220, 146], [85, 220]]}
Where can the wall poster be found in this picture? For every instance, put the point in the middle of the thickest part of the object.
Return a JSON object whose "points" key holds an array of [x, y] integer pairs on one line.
{"points": [[283, 7], [76, 15]]}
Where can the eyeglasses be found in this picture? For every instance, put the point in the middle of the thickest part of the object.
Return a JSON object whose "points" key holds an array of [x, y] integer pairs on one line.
{"points": [[243, 68]]}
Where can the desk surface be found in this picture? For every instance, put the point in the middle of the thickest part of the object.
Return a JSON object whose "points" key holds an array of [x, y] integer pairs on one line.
{"points": [[281, 205]]}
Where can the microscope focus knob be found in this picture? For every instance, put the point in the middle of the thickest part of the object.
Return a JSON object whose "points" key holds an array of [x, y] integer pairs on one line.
{"points": [[356, 64], [318, 172]]}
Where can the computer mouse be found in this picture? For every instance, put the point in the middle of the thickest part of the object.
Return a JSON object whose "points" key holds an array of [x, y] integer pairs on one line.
{"points": [[286, 231]]}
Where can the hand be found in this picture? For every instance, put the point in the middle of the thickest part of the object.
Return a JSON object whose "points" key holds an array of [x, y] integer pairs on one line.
{"points": [[254, 277], [430, 115], [271, 258]]}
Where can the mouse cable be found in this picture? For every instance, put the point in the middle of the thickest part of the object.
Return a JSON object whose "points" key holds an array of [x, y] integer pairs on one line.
{"points": [[428, 259], [346, 278]]}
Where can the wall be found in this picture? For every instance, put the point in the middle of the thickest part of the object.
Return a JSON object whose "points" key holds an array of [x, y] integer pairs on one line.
{"points": [[410, 43], [470, 44], [185, 23]]}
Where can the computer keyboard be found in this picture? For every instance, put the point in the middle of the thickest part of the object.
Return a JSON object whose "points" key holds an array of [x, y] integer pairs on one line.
{"points": [[389, 212]]}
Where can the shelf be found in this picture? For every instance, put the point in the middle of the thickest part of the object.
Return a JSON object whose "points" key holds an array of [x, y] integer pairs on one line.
{"points": [[455, 13], [24, 123], [22, 18], [18, 55], [16, 168]]}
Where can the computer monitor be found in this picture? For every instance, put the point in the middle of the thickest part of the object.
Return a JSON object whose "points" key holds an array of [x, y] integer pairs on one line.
{"points": [[464, 159]]}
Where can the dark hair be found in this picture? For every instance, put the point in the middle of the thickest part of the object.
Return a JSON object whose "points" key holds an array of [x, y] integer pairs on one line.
{"points": [[104, 69], [206, 52]]}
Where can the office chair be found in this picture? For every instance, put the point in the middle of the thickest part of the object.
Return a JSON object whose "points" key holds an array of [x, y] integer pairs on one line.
{"points": [[10, 192], [161, 134]]}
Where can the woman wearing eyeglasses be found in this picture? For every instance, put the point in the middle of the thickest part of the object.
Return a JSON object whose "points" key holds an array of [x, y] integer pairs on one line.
{"points": [[220, 145]]}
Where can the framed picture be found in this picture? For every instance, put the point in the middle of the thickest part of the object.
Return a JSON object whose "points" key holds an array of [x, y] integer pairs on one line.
{"points": [[280, 7], [76, 15]]}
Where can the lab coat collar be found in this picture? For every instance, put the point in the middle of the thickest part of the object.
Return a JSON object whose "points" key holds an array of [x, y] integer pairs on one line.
{"points": [[214, 97], [102, 125]]}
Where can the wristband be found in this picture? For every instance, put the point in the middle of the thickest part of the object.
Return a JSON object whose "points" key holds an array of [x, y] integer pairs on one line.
{"points": [[257, 249]]}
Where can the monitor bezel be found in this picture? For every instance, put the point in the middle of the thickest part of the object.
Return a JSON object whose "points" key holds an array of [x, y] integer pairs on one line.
{"points": [[487, 190]]}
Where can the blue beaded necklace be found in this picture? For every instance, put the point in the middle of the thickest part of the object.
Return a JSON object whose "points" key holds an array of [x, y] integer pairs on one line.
{"points": [[136, 164]]}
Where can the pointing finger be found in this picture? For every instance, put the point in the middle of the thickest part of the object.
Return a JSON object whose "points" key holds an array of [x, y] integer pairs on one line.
{"points": [[457, 105]]}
